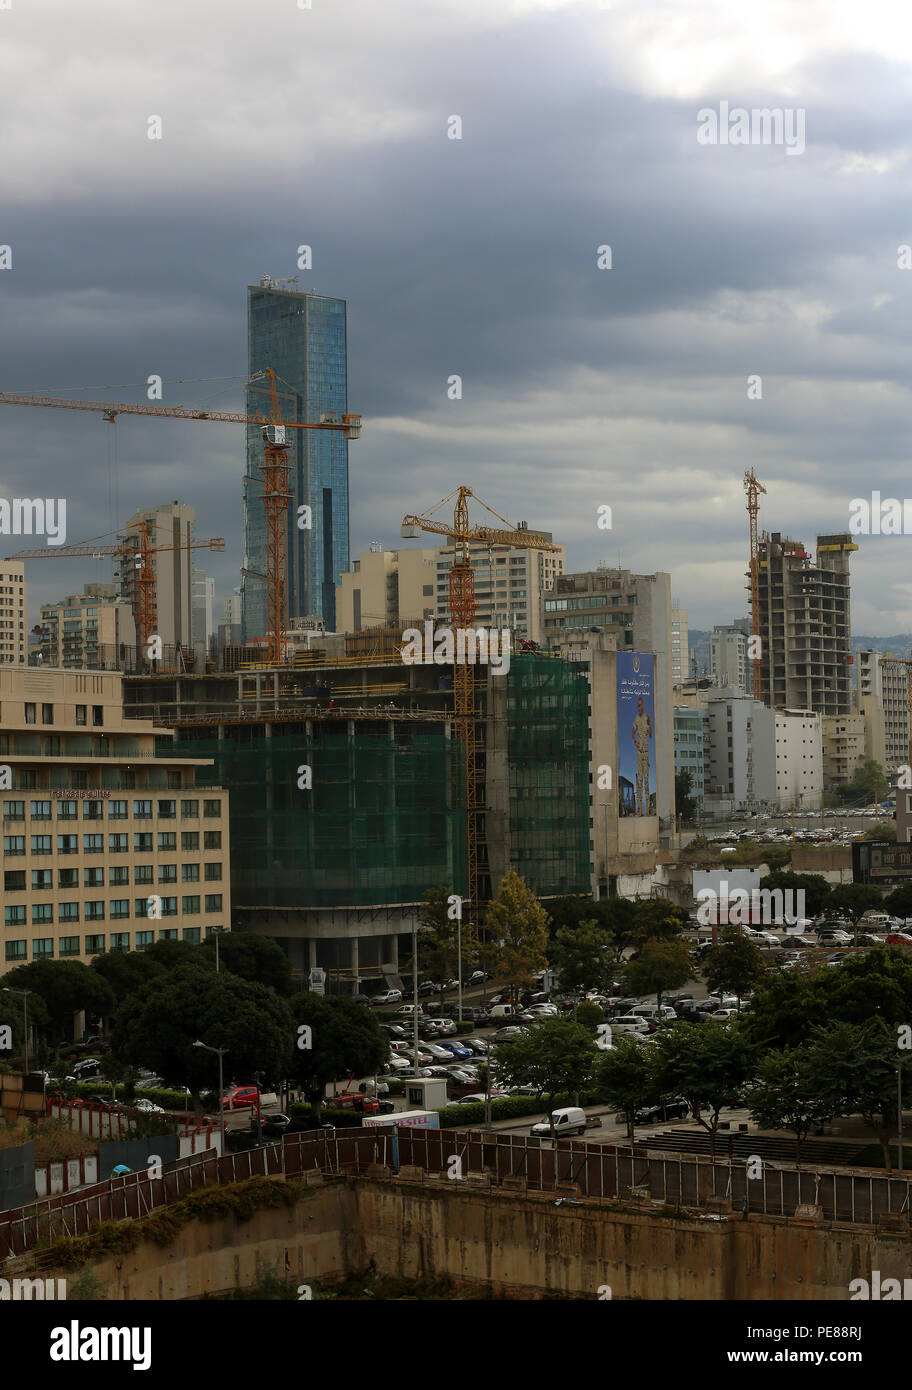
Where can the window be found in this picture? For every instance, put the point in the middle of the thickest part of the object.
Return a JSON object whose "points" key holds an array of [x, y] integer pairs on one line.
{"points": [[15, 950], [167, 841], [97, 716], [47, 714], [67, 810], [93, 810], [94, 911], [127, 781], [119, 873], [69, 912], [190, 810], [93, 844], [120, 940], [67, 878], [167, 810], [212, 839], [142, 842], [190, 905], [117, 810], [144, 938], [81, 714], [169, 907], [26, 780], [29, 713], [190, 841], [68, 946], [167, 873], [67, 844], [95, 945], [15, 844], [14, 881], [93, 878], [140, 907], [190, 873], [118, 844], [168, 934], [212, 808], [191, 934], [42, 947], [213, 902], [142, 873], [142, 810], [14, 810], [42, 879], [42, 913], [173, 781], [119, 907], [79, 781], [213, 873], [14, 916]]}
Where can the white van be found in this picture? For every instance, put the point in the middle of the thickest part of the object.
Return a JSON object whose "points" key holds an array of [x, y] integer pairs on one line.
{"points": [[630, 1023], [502, 1011], [570, 1120]]}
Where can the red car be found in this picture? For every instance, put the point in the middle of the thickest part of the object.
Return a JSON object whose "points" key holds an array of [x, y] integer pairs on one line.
{"points": [[899, 938], [240, 1098]]}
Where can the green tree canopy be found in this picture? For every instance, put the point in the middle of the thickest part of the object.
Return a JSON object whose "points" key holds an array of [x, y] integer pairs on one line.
{"points": [[707, 1065], [258, 959], [853, 900], [517, 926], [735, 964], [782, 1095], [583, 957], [65, 987], [851, 1068], [626, 1078], [158, 1029], [345, 1039], [814, 886], [658, 966], [555, 1055]]}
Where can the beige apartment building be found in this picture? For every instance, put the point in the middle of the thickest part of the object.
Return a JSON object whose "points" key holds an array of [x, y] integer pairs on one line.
{"points": [[13, 613], [844, 737], [386, 587], [93, 630], [510, 584], [172, 564], [106, 847]]}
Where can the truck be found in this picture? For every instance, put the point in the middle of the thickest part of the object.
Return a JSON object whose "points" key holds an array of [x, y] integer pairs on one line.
{"points": [[411, 1119], [571, 1119]]}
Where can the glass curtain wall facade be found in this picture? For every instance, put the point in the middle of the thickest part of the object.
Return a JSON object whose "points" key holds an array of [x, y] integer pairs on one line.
{"points": [[303, 338]]}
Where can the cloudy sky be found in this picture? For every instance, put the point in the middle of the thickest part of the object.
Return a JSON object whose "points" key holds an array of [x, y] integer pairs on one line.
{"points": [[283, 125]]}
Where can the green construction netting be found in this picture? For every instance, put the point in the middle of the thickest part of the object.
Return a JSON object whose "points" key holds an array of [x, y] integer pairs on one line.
{"points": [[381, 824], [548, 743]]}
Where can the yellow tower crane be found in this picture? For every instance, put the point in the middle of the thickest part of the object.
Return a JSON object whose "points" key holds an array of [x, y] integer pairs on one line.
{"points": [[754, 488], [462, 613]]}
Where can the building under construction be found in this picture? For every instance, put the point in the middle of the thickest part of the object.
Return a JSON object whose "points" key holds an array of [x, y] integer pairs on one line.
{"points": [[347, 794], [804, 624]]}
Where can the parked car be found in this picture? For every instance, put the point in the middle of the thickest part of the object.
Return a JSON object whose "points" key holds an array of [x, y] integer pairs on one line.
{"points": [[443, 1054], [899, 938], [395, 1030], [398, 1064], [567, 1121], [457, 1049], [834, 936], [511, 1030], [361, 999], [479, 1046], [272, 1124], [147, 1107], [387, 996]]}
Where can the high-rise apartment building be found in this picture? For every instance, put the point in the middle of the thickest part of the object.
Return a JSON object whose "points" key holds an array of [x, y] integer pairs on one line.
{"points": [[689, 732], [386, 587], [680, 659], [636, 609], [171, 527], [13, 613], [728, 662], [302, 337], [105, 845], [201, 603], [883, 687], [805, 624], [90, 631], [511, 584]]}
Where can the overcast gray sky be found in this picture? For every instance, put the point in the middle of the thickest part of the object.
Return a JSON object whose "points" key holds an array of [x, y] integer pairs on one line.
{"points": [[581, 387]]}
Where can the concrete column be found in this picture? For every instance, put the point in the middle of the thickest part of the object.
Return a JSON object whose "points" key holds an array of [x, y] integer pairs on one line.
{"points": [[355, 964]]}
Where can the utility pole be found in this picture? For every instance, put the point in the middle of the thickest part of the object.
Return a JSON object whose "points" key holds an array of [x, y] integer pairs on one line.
{"points": [[221, 1052]]}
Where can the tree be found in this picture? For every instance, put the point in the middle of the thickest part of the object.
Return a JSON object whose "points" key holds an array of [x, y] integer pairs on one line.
{"points": [[158, 1029], [899, 902], [258, 959], [868, 782], [127, 972], [657, 967], [555, 1055], [345, 1038], [853, 900], [658, 918], [815, 888], [880, 830], [66, 987], [852, 1069], [626, 1078], [735, 964], [685, 801], [583, 957], [589, 1014], [782, 1095], [518, 925], [707, 1065]]}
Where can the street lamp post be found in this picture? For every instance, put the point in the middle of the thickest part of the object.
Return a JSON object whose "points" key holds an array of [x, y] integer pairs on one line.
{"points": [[221, 1052], [899, 1125], [25, 994]]}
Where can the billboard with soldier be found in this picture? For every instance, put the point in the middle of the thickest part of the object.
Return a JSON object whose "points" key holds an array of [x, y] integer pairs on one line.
{"points": [[636, 734]]}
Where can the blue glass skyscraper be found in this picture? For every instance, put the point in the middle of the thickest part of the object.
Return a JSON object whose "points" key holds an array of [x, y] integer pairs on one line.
{"points": [[303, 338]]}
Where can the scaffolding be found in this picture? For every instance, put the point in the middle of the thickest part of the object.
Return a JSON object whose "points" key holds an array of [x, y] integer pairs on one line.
{"points": [[548, 756]]}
